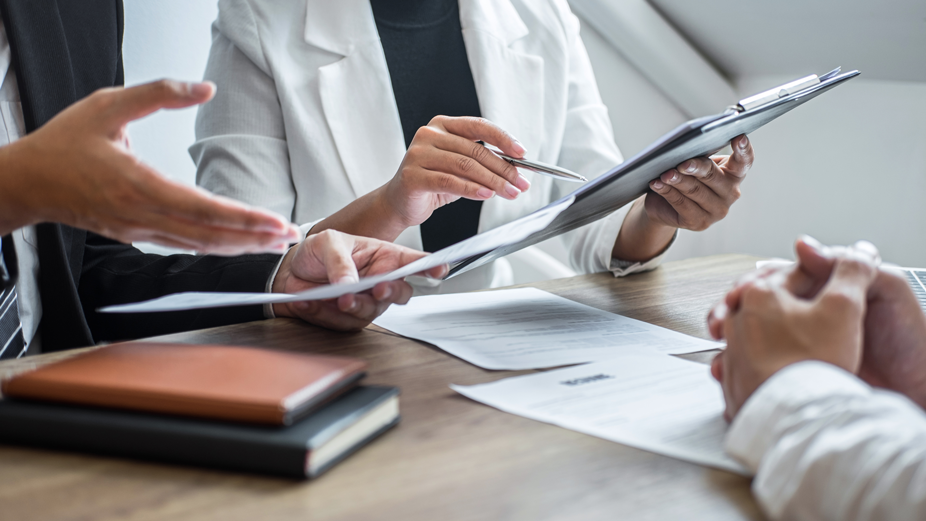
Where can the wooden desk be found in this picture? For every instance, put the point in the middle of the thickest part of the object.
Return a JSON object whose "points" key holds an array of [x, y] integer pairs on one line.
{"points": [[450, 458]]}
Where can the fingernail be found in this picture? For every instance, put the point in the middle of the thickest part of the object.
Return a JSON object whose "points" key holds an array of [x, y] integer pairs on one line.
{"points": [[689, 166], [522, 183], [720, 312], [657, 185], [387, 293], [813, 243], [518, 147], [346, 279], [671, 179], [201, 89], [511, 190], [870, 250], [744, 143], [484, 193]]}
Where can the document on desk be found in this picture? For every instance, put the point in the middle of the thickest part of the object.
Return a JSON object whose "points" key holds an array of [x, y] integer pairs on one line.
{"points": [[528, 328], [507, 233], [650, 401]]}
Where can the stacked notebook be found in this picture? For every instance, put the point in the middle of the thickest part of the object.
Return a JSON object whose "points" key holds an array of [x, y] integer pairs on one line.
{"points": [[236, 408]]}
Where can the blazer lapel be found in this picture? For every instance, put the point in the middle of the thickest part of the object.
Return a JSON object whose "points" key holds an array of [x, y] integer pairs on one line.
{"points": [[509, 82], [41, 57], [356, 92]]}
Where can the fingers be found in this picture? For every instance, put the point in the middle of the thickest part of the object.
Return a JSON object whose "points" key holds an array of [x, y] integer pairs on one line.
{"points": [[178, 233], [852, 275], [687, 213], [200, 207], [482, 172], [742, 158], [476, 129], [715, 320], [375, 256], [395, 292], [699, 192], [717, 367], [711, 186], [436, 273], [329, 314], [336, 251], [128, 104]]}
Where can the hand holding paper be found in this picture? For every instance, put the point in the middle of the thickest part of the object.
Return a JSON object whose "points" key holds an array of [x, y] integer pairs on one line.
{"points": [[510, 233], [334, 256]]}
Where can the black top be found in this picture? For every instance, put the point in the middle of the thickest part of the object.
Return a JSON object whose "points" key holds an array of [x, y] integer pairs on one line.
{"points": [[63, 51], [424, 48]]}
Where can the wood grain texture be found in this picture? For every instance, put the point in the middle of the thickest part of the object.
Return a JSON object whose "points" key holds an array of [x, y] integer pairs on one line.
{"points": [[450, 458]]}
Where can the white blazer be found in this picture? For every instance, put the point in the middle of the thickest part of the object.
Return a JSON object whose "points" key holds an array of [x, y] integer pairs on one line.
{"points": [[305, 121]]}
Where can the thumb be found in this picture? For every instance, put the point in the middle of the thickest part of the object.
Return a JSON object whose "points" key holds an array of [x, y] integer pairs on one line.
{"points": [[133, 103], [339, 261], [814, 266], [853, 274]]}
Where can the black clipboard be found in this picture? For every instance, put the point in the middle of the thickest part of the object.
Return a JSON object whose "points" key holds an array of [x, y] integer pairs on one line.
{"points": [[698, 137]]}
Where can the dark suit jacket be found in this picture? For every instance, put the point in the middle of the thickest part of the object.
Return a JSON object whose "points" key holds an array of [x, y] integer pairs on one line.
{"points": [[62, 51]]}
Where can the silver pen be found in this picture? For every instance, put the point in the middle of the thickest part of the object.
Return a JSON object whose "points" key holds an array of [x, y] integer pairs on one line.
{"points": [[540, 168]]}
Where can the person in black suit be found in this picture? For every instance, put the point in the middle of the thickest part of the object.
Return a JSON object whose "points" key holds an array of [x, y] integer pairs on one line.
{"points": [[74, 166]]}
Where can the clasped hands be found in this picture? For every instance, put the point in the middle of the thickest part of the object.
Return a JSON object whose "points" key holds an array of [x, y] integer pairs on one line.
{"points": [[836, 305]]}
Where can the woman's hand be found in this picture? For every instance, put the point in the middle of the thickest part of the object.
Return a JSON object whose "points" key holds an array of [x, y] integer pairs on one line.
{"points": [[444, 163], [693, 196], [700, 191]]}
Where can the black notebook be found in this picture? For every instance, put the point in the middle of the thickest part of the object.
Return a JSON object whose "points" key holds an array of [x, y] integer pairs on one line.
{"points": [[302, 450]]}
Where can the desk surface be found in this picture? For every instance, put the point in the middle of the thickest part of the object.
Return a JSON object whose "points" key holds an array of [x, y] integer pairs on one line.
{"points": [[450, 458]]}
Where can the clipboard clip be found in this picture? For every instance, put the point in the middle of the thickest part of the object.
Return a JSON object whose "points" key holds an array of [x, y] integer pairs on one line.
{"points": [[783, 91]]}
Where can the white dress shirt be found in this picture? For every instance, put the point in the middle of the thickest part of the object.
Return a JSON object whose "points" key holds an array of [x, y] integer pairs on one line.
{"points": [[13, 127], [825, 445]]}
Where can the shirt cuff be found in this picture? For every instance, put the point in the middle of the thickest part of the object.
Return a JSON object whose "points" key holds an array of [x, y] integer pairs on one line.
{"points": [[268, 308], [307, 227], [761, 422], [622, 268]]}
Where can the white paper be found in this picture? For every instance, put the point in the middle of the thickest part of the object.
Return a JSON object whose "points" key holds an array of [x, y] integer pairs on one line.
{"points": [[528, 328], [653, 402], [510, 233], [774, 263]]}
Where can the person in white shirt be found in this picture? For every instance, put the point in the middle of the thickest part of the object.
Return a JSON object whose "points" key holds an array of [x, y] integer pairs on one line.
{"points": [[361, 116], [824, 377]]}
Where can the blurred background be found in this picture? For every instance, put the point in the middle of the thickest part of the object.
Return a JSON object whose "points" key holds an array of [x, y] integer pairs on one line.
{"points": [[849, 165]]}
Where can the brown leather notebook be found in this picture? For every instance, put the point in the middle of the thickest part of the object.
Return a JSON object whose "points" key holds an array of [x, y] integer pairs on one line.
{"points": [[243, 384]]}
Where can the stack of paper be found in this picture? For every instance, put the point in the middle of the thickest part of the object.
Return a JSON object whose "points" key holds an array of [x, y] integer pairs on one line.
{"points": [[654, 402], [528, 329]]}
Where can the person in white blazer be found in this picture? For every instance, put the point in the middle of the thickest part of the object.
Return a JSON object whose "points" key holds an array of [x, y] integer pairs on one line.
{"points": [[824, 377], [305, 123]]}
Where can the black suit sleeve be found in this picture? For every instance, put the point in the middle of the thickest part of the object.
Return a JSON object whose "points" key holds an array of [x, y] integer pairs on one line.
{"points": [[116, 273]]}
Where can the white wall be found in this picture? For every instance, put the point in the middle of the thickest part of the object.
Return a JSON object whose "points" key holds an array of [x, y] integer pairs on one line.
{"points": [[848, 165], [167, 39]]}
